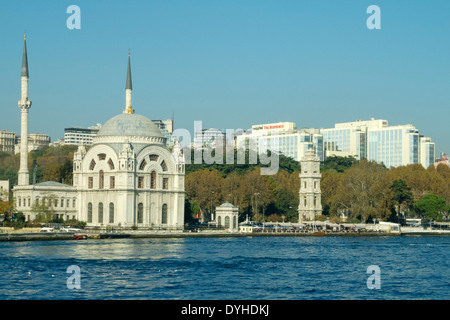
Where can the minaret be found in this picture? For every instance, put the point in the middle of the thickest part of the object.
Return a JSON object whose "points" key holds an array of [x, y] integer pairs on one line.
{"points": [[310, 204], [128, 89], [24, 105]]}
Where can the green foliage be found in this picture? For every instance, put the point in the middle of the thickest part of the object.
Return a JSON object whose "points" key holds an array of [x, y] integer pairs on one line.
{"points": [[75, 223], [321, 217], [338, 164], [286, 202], [432, 207], [9, 166], [402, 195], [285, 163]]}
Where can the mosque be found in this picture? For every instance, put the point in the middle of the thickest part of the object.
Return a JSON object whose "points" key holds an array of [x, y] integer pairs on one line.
{"points": [[128, 177]]}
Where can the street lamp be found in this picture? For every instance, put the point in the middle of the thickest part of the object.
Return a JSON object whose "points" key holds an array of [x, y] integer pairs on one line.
{"points": [[212, 194]]}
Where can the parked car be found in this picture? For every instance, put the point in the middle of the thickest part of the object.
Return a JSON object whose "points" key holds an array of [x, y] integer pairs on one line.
{"points": [[46, 229]]}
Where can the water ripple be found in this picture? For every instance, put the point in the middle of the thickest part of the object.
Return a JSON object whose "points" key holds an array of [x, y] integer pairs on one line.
{"points": [[228, 268]]}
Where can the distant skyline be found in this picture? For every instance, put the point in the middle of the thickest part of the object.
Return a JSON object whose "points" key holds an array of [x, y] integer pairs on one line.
{"points": [[229, 63]]}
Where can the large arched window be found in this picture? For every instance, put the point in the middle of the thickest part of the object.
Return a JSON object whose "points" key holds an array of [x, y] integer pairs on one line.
{"points": [[153, 180], [219, 221], [140, 217], [164, 214], [89, 213], [100, 212], [101, 179], [234, 222], [111, 212], [227, 222]]}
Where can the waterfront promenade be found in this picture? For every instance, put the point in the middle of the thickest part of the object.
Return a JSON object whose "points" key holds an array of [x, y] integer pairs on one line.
{"points": [[8, 234]]}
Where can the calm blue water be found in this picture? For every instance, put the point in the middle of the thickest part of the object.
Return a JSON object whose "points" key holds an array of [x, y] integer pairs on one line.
{"points": [[280, 268]]}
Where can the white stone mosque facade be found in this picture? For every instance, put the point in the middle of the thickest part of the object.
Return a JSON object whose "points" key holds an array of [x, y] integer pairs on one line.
{"points": [[128, 177]]}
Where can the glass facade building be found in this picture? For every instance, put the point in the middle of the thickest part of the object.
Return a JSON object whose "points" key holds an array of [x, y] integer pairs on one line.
{"points": [[375, 140], [283, 138]]}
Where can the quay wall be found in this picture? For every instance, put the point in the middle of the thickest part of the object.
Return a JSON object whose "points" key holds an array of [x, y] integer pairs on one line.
{"points": [[43, 236]]}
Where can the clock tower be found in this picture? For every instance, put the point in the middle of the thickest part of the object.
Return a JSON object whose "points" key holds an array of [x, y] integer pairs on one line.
{"points": [[310, 204]]}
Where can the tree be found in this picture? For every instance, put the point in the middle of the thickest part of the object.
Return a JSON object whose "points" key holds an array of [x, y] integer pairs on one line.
{"points": [[432, 207], [402, 196], [256, 194], [364, 191], [287, 203], [231, 187], [205, 187], [44, 210], [329, 186], [338, 164]]}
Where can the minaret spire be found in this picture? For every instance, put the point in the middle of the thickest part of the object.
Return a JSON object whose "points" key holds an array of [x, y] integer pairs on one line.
{"points": [[128, 88], [24, 57], [24, 105]]}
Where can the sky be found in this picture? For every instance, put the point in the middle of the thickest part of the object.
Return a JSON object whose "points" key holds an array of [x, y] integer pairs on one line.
{"points": [[229, 63]]}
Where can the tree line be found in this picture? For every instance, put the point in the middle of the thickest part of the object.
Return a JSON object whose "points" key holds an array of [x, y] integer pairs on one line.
{"points": [[358, 190], [354, 190]]}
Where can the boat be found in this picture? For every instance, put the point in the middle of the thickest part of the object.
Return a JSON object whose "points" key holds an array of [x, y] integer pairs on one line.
{"points": [[80, 236], [319, 233]]}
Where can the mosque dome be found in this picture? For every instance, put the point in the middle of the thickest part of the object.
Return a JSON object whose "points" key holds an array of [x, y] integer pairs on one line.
{"points": [[130, 125]]}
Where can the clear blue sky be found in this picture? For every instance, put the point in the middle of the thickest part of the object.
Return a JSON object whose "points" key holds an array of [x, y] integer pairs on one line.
{"points": [[229, 63]]}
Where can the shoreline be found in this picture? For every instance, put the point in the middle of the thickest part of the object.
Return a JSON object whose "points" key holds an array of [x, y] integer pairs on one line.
{"points": [[36, 236]]}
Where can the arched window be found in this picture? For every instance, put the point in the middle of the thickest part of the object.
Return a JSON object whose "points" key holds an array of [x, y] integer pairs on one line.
{"points": [[111, 212], [101, 179], [227, 222], [92, 165], [153, 180], [234, 222], [142, 165], [164, 214], [89, 214], [111, 164], [140, 217], [219, 221], [164, 165], [100, 212]]}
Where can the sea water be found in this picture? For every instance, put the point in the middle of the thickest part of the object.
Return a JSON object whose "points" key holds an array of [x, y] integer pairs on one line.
{"points": [[256, 268]]}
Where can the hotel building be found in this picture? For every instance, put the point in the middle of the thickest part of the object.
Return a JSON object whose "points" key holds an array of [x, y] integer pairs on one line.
{"points": [[80, 136], [283, 137], [7, 141], [375, 140]]}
